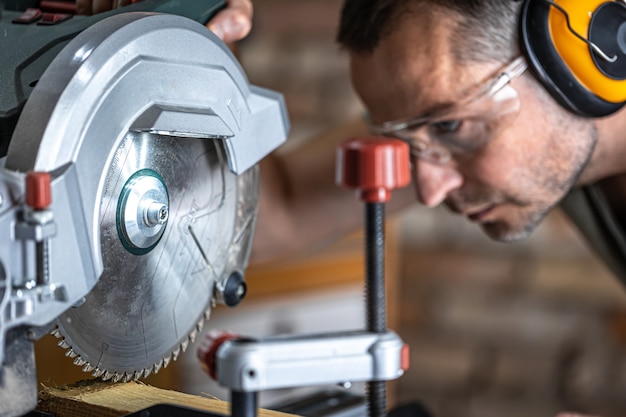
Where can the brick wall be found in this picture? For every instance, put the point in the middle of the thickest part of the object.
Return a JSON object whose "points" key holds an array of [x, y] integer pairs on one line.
{"points": [[524, 329]]}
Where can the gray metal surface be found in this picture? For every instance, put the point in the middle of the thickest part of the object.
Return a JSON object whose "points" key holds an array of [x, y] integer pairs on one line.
{"points": [[252, 365]]}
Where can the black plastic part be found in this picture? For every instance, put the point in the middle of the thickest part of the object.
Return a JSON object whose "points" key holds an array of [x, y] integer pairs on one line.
{"points": [[607, 30], [243, 404], [169, 410], [7, 126], [235, 289], [322, 404], [549, 67]]}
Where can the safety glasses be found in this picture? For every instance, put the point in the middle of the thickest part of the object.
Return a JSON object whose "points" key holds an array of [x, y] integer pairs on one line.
{"points": [[465, 127]]}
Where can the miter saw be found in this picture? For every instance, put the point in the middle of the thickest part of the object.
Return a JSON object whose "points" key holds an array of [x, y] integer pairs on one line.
{"points": [[128, 192]]}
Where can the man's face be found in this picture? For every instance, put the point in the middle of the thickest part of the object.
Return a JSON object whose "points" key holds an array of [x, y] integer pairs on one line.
{"points": [[509, 183]]}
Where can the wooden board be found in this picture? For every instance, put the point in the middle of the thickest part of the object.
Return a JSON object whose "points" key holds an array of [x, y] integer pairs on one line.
{"points": [[101, 399]]}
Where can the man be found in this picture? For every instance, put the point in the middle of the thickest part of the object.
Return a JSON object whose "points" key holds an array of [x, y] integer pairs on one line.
{"points": [[488, 140], [502, 159], [509, 160], [505, 160]]}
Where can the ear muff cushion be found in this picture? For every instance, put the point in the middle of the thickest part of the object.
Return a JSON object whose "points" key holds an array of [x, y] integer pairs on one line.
{"points": [[549, 68]]}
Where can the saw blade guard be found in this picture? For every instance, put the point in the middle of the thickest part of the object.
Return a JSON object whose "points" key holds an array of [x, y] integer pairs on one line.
{"points": [[152, 134]]}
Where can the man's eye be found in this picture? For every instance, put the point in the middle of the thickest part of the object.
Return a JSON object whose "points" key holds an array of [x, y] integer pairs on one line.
{"points": [[466, 134], [446, 126]]}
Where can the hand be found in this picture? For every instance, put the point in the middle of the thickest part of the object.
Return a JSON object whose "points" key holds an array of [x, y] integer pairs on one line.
{"points": [[234, 22], [231, 24]]}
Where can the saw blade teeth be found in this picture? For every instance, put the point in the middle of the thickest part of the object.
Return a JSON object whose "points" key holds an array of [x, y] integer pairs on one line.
{"points": [[97, 373], [184, 345], [63, 344], [70, 353], [192, 335], [166, 361], [207, 314], [107, 375], [56, 333], [79, 361], [176, 353], [129, 377], [200, 326], [117, 377], [87, 367], [157, 367], [147, 372], [137, 375]]}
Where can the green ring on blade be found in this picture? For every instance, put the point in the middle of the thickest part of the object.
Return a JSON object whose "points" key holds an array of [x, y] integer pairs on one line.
{"points": [[144, 187]]}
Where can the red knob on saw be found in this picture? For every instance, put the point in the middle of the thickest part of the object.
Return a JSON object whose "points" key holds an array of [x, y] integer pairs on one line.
{"points": [[373, 166], [38, 193]]}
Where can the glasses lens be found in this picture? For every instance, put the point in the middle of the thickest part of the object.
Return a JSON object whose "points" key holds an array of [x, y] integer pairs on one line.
{"points": [[465, 127]]}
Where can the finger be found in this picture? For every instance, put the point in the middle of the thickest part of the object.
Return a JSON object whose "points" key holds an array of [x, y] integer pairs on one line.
{"points": [[234, 22], [100, 6], [83, 7]]}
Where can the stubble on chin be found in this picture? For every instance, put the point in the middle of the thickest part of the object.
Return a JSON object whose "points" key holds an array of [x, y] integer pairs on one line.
{"points": [[508, 231]]}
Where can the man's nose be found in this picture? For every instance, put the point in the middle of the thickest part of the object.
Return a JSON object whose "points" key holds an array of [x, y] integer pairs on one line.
{"points": [[434, 181]]}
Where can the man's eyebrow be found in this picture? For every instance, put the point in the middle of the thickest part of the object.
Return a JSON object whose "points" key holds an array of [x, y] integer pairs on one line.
{"points": [[435, 108]]}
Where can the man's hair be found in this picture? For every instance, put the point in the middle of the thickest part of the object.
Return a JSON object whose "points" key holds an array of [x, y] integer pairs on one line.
{"points": [[485, 30]]}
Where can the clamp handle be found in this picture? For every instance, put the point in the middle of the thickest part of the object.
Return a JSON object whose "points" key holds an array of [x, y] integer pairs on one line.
{"points": [[374, 166]]}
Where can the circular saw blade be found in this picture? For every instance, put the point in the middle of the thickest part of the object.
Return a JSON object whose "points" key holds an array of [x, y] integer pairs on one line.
{"points": [[149, 303]]}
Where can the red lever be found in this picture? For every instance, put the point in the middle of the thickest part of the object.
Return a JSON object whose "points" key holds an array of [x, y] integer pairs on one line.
{"points": [[38, 194], [374, 166]]}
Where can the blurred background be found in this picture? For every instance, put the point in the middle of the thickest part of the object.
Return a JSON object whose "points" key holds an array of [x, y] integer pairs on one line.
{"points": [[525, 329]]}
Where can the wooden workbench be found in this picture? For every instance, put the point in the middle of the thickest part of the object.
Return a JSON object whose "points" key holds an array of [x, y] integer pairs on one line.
{"points": [[101, 399]]}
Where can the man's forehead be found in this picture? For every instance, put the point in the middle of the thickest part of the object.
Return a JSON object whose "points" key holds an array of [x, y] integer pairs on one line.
{"points": [[413, 70]]}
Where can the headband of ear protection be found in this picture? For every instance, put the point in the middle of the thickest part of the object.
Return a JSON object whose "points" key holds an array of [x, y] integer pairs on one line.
{"points": [[577, 49]]}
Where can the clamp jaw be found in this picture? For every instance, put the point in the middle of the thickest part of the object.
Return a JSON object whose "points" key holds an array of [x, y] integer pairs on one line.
{"points": [[253, 365]]}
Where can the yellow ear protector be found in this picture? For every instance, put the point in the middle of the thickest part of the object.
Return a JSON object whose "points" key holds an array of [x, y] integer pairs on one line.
{"points": [[577, 49]]}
